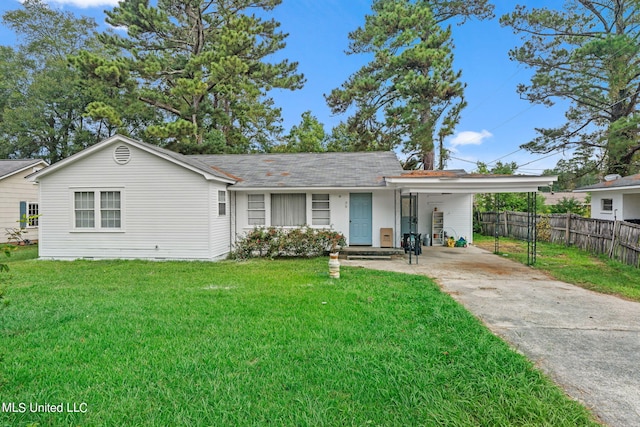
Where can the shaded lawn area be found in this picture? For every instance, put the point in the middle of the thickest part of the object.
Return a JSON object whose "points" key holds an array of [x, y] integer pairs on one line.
{"points": [[572, 265], [256, 343]]}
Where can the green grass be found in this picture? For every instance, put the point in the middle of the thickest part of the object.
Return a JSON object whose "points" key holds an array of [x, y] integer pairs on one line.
{"points": [[572, 265], [18, 253], [257, 343]]}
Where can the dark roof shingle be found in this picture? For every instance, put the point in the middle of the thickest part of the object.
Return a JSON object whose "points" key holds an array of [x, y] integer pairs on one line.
{"points": [[627, 181], [9, 167], [298, 170]]}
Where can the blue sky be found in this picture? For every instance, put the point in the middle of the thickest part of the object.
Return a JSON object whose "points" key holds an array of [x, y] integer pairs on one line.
{"points": [[494, 124]]}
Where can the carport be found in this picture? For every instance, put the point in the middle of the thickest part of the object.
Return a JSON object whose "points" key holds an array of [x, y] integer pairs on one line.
{"points": [[439, 204]]}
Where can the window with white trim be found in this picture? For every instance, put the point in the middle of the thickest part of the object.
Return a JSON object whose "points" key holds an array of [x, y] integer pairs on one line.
{"points": [[110, 209], [320, 209], [32, 214], [289, 210], [222, 203], [97, 209], [84, 209], [607, 205], [255, 209]]}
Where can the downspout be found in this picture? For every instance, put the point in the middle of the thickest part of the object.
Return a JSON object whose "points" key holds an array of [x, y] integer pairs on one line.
{"points": [[395, 217], [233, 224]]}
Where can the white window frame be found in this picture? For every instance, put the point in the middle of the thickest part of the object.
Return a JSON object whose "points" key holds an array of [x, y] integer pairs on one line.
{"points": [[33, 210], [110, 208], [98, 210], [255, 208], [321, 209], [606, 205], [222, 203]]}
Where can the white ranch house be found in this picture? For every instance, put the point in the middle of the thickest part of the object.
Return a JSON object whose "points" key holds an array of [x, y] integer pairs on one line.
{"points": [[616, 198], [124, 198], [18, 197]]}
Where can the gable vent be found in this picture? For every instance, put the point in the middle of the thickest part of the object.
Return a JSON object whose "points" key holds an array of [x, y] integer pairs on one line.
{"points": [[122, 154]]}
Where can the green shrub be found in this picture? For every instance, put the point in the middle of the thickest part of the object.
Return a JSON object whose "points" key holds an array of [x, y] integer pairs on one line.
{"points": [[6, 250], [272, 242], [543, 228]]}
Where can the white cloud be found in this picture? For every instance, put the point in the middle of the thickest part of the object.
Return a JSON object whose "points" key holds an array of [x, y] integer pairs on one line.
{"points": [[469, 137], [123, 29], [84, 4]]}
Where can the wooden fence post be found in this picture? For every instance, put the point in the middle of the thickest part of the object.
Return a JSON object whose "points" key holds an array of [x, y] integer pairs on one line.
{"points": [[616, 228], [506, 227], [567, 230]]}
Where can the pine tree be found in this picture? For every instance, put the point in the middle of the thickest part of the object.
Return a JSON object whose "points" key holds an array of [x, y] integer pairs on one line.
{"points": [[409, 95], [588, 54], [203, 66]]}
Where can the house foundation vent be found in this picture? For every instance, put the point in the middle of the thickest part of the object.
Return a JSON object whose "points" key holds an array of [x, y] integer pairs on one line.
{"points": [[122, 154]]}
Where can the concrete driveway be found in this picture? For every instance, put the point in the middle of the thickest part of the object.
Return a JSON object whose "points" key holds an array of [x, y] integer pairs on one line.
{"points": [[588, 343]]}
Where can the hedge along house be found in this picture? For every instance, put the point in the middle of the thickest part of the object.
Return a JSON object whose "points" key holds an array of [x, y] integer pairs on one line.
{"points": [[123, 198]]}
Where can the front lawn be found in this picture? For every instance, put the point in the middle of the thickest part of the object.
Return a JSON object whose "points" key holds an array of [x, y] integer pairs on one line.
{"points": [[255, 343]]}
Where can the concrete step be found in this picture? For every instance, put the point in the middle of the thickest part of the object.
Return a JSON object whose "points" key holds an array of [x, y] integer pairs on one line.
{"points": [[369, 257]]}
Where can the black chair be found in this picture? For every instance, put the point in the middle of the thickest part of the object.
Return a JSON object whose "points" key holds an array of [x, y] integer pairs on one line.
{"points": [[412, 242]]}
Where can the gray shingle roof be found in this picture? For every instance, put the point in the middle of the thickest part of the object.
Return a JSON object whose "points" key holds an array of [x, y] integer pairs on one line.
{"points": [[297, 170], [9, 167], [627, 181]]}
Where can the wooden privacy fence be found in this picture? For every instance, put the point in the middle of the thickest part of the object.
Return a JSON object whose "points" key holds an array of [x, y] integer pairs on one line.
{"points": [[619, 240]]}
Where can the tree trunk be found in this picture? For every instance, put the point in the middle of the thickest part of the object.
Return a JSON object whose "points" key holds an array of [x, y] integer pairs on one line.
{"points": [[428, 160]]}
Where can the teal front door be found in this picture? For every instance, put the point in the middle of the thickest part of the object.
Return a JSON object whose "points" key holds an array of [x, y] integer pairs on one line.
{"points": [[360, 224]]}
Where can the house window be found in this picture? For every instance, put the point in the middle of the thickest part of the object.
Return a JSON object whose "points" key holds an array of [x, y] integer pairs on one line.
{"points": [[32, 214], [28, 214], [222, 203], [288, 209], [84, 209], [255, 209], [110, 209], [97, 209], [607, 205], [320, 212]]}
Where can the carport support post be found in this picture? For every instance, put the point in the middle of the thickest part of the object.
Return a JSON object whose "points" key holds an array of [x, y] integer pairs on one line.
{"points": [[496, 228], [413, 224]]}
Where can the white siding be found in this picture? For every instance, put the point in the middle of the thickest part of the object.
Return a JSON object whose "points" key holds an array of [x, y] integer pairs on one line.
{"points": [[220, 224], [167, 210], [457, 210], [631, 206], [13, 190], [383, 215], [596, 205], [625, 205], [384, 207]]}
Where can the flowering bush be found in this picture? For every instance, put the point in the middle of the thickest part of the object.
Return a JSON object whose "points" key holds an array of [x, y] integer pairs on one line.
{"points": [[274, 242]]}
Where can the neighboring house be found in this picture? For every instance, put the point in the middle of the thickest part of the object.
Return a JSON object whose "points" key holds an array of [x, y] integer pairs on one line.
{"points": [[123, 198], [551, 199], [615, 198], [18, 197]]}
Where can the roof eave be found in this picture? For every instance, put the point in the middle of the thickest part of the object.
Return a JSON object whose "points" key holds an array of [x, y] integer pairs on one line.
{"points": [[618, 188], [304, 188], [35, 162], [511, 184]]}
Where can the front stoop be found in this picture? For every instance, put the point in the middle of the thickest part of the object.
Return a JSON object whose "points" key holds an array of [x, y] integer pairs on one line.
{"points": [[370, 253]]}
